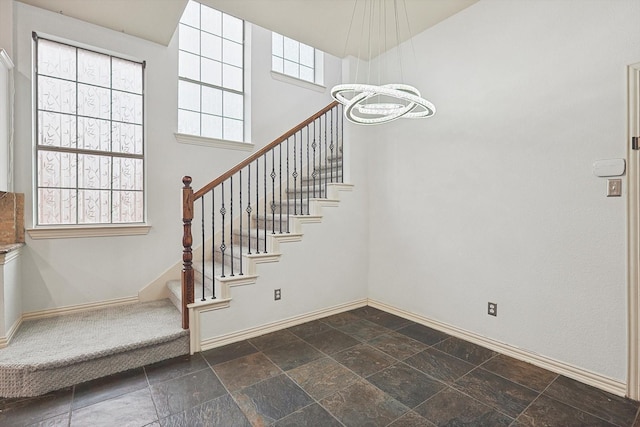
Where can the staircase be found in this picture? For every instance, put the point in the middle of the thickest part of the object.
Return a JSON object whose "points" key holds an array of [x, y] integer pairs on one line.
{"points": [[239, 220]]}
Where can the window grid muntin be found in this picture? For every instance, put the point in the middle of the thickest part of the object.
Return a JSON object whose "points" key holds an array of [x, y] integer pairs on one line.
{"points": [[78, 152], [284, 58], [202, 115]]}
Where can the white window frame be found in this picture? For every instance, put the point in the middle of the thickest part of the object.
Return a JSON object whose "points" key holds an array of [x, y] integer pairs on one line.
{"points": [[279, 55], [87, 229], [197, 138]]}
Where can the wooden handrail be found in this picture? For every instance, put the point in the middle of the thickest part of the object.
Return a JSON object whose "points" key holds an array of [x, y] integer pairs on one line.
{"points": [[204, 190]]}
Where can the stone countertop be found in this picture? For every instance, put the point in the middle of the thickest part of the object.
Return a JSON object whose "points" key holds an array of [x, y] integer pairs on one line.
{"points": [[11, 247]]}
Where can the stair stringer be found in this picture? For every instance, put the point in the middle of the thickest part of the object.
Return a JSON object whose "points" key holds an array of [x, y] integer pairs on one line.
{"points": [[273, 254]]}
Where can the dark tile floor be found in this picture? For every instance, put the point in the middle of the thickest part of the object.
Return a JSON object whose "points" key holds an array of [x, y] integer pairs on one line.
{"points": [[360, 368]]}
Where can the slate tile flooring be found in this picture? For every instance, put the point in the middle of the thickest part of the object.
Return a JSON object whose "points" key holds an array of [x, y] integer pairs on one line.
{"points": [[360, 368]]}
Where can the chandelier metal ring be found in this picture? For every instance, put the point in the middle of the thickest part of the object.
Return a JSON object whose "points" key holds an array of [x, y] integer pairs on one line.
{"points": [[357, 109]]}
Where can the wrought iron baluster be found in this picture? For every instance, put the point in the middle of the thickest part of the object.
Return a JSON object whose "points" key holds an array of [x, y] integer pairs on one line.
{"points": [[213, 241], [257, 207], [288, 204], [240, 248], [341, 118], [295, 177], [265, 202], [231, 221], [308, 180], [203, 248], [315, 170], [326, 156], [331, 147], [320, 156], [280, 185], [223, 212], [301, 170], [249, 205], [273, 192]]}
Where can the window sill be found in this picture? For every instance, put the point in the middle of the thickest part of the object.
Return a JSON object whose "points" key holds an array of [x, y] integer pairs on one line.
{"points": [[298, 82], [74, 231], [213, 142]]}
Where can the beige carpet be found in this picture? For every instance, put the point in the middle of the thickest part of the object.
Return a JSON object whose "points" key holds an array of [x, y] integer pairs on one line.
{"points": [[51, 353]]}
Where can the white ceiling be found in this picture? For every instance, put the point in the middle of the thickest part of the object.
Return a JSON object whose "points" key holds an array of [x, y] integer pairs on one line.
{"points": [[324, 24]]}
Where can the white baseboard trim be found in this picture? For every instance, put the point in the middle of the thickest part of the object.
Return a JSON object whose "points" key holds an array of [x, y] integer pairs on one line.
{"points": [[219, 341], [4, 341], [78, 308], [579, 374]]}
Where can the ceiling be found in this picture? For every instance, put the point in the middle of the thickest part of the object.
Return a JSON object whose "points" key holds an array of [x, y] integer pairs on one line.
{"points": [[324, 24]]}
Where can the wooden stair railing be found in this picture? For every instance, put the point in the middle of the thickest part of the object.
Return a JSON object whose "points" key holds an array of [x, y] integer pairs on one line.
{"points": [[312, 154]]}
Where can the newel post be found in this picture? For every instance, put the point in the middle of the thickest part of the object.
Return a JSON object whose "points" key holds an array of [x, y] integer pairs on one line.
{"points": [[187, 256]]}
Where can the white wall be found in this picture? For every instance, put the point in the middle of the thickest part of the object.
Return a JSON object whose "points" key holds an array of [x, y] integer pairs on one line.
{"points": [[326, 269], [498, 186], [60, 272]]}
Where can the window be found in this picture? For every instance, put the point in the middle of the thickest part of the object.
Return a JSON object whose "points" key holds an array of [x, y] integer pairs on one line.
{"points": [[293, 58], [211, 74], [90, 136]]}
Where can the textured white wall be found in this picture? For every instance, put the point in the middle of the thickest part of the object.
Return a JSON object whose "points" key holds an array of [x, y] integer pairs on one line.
{"points": [[60, 272], [494, 199]]}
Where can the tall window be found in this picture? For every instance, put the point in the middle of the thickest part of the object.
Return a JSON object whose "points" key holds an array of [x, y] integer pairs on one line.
{"points": [[211, 62], [293, 58], [90, 136]]}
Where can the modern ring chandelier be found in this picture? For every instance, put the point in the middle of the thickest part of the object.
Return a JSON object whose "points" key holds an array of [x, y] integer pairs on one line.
{"points": [[370, 104]]}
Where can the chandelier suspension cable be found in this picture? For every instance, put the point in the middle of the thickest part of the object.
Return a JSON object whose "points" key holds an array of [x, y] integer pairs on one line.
{"points": [[364, 102]]}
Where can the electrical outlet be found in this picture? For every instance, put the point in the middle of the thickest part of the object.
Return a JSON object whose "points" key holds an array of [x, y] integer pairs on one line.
{"points": [[277, 294], [492, 309]]}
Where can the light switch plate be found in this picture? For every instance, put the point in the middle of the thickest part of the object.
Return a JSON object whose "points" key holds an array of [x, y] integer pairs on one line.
{"points": [[614, 187]]}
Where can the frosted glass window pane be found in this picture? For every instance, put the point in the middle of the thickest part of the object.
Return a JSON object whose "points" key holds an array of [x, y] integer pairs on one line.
{"points": [[211, 126], [211, 46], [128, 206], [306, 55], [56, 60], [211, 21], [211, 100], [306, 73], [232, 77], [277, 64], [56, 169], [291, 68], [232, 53], [233, 105], [188, 95], [94, 134], [189, 65], [233, 130], [126, 75], [291, 49], [188, 122], [127, 107], [56, 206], [276, 44], [211, 72], [57, 130], [94, 171], [94, 101], [94, 206], [189, 39], [232, 28], [127, 138], [94, 68], [127, 174], [56, 95], [191, 14]]}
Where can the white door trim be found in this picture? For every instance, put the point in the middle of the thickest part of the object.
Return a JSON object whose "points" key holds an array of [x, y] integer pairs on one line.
{"points": [[633, 261]]}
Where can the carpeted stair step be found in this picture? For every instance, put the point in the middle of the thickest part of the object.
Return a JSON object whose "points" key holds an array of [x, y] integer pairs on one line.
{"points": [[56, 352]]}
